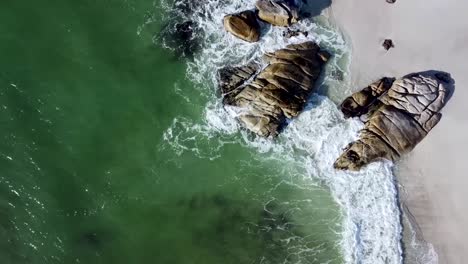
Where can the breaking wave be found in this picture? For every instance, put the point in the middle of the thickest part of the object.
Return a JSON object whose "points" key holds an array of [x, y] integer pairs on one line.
{"points": [[371, 228]]}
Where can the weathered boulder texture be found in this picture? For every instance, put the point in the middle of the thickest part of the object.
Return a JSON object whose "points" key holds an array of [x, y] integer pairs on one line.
{"points": [[400, 115], [243, 25], [360, 102], [278, 12], [267, 97]]}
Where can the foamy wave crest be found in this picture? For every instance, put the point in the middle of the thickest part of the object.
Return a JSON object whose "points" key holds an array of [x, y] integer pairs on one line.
{"points": [[371, 230], [221, 48], [185, 135]]}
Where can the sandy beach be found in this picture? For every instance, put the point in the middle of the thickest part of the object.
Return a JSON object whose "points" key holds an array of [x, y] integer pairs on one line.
{"points": [[428, 35]]}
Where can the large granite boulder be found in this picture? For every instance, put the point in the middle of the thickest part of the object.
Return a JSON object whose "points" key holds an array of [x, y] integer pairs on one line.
{"points": [[231, 78], [360, 102], [243, 25], [400, 115], [278, 12], [267, 97]]}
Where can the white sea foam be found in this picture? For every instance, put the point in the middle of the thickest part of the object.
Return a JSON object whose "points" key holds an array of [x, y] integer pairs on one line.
{"points": [[417, 249], [371, 224]]}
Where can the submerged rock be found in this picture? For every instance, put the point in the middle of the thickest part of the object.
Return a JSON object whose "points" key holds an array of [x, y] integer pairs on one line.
{"points": [[243, 25], [278, 12], [277, 92], [181, 38], [181, 33], [400, 116], [290, 33]]}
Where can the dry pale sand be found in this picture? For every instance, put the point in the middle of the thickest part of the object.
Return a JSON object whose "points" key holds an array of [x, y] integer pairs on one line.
{"points": [[428, 35]]}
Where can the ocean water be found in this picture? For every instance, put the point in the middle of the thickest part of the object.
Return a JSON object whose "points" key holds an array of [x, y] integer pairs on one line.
{"points": [[116, 149]]}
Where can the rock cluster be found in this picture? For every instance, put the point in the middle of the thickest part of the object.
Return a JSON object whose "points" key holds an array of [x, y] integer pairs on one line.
{"points": [[269, 96], [400, 115], [245, 26]]}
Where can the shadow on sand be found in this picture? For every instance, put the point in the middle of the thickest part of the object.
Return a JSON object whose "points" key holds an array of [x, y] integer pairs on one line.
{"points": [[312, 8]]}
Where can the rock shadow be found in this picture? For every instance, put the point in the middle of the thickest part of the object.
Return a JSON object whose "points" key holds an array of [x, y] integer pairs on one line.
{"points": [[312, 8]]}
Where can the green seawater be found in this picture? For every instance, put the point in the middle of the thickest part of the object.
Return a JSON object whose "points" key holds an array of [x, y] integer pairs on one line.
{"points": [[86, 175]]}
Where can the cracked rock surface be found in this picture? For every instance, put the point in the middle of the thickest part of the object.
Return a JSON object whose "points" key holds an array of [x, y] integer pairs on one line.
{"points": [[267, 97], [278, 12], [243, 25], [401, 113]]}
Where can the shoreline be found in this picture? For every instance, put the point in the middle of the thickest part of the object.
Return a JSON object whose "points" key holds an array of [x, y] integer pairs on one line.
{"points": [[428, 35]]}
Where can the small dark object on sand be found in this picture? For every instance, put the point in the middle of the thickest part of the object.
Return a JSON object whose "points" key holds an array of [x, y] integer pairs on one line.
{"points": [[388, 44], [391, 1]]}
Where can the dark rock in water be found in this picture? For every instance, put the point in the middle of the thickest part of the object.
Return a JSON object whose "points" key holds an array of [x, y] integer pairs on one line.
{"points": [[185, 35], [337, 75], [185, 30], [388, 44], [91, 238], [233, 220], [181, 38], [181, 34], [278, 12], [400, 116], [94, 239], [391, 1], [278, 223], [198, 201], [278, 92], [243, 25], [289, 33], [220, 200]]}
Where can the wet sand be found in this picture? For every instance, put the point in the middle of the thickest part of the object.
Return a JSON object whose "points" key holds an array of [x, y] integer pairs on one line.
{"points": [[428, 35]]}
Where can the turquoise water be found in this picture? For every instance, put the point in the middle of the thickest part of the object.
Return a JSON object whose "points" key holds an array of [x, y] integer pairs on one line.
{"points": [[88, 173]]}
